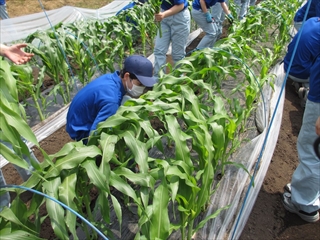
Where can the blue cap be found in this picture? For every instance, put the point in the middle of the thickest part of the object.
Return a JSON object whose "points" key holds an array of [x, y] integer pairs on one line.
{"points": [[142, 68]]}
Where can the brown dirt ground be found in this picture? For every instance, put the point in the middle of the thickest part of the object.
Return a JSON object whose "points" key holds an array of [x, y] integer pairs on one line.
{"points": [[268, 219]]}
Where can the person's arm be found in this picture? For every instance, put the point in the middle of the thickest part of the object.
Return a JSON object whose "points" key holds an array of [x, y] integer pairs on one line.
{"points": [[225, 8], [318, 126], [175, 9], [15, 54], [227, 12], [203, 6]]}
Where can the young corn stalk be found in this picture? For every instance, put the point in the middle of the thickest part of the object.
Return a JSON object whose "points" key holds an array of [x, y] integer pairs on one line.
{"points": [[25, 81], [156, 6]]}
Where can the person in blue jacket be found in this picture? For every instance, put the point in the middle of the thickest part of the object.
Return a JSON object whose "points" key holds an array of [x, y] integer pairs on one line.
{"points": [[314, 11], [102, 97], [307, 50], [302, 195], [174, 19], [202, 16]]}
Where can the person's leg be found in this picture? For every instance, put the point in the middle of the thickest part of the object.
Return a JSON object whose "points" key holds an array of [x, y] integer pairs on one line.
{"points": [[180, 30], [243, 9], [305, 187], [210, 29], [252, 2], [219, 16], [5, 197], [161, 47], [3, 12]]}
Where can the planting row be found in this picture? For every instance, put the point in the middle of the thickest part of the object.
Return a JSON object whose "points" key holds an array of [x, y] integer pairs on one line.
{"points": [[203, 124]]}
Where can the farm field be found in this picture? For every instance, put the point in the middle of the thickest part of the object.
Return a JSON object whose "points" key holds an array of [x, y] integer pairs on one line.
{"points": [[268, 219]]}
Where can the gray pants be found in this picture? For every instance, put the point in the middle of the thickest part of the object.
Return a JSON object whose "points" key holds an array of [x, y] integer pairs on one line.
{"points": [[305, 187], [3, 12]]}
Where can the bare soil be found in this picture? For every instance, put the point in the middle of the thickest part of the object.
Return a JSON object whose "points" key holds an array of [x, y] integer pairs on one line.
{"points": [[268, 219]]}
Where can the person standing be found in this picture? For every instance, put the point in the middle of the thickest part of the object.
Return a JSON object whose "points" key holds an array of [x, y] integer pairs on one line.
{"points": [[102, 97], [314, 11], [174, 19], [3, 10], [202, 16], [302, 195]]}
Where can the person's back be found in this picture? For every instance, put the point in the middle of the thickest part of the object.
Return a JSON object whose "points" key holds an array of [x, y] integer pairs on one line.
{"points": [[102, 97], [94, 103], [314, 11], [307, 50]]}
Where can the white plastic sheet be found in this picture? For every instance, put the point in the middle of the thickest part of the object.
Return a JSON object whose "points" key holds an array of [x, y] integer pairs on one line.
{"points": [[18, 28]]}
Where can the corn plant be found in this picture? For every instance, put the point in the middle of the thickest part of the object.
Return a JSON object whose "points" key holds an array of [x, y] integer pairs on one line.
{"points": [[202, 128], [25, 82]]}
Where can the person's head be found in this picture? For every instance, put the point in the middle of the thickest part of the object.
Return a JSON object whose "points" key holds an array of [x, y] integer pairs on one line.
{"points": [[137, 75]]}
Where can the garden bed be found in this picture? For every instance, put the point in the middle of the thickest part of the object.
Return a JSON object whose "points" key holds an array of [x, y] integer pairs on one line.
{"points": [[230, 214]]}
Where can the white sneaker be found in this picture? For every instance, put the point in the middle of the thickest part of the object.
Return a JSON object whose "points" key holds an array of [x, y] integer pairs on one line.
{"points": [[287, 187], [288, 205]]}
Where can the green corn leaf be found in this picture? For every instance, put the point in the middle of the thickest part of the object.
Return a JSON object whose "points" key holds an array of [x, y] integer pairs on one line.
{"points": [[19, 234], [55, 211], [117, 208], [67, 195], [9, 215], [160, 224], [73, 159], [180, 138], [212, 216], [98, 178], [118, 183]]}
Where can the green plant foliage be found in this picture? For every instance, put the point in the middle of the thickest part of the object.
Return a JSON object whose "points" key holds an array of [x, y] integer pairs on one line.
{"points": [[202, 123]]}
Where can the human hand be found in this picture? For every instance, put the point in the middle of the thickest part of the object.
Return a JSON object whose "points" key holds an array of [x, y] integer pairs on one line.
{"points": [[208, 17], [159, 16], [318, 126], [230, 18], [15, 54]]}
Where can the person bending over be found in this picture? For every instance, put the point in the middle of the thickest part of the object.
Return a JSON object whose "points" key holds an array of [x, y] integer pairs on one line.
{"points": [[102, 97]]}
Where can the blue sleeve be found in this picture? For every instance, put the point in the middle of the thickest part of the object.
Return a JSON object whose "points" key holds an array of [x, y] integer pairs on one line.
{"points": [[167, 4], [105, 112]]}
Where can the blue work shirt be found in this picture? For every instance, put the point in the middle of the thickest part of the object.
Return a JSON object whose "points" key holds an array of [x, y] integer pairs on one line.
{"points": [[314, 82], [307, 50], [209, 3], [314, 11], [167, 4], [93, 104]]}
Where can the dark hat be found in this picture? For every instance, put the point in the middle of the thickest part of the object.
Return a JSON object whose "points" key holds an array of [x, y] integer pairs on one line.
{"points": [[142, 68]]}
